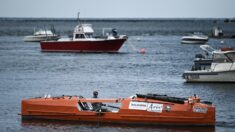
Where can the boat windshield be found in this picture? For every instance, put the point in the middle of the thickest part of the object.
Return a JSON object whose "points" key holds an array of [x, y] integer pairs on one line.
{"points": [[207, 48], [79, 36], [231, 56], [88, 35], [221, 58]]}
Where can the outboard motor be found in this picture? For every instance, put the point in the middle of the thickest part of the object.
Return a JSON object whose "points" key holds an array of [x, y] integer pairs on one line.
{"points": [[114, 33]]}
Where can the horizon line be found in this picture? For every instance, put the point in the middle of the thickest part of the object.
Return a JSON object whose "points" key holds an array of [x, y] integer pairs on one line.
{"points": [[124, 18]]}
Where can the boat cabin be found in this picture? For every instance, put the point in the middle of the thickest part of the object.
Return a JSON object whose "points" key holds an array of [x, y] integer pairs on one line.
{"points": [[223, 61], [43, 32], [224, 57], [215, 60], [83, 31]]}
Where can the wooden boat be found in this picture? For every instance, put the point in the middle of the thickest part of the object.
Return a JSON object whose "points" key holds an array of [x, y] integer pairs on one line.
{"points": [[149, 109]]}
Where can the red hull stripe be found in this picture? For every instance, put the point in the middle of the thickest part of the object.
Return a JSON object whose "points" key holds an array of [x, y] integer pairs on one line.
{"points": [[83, 46]]}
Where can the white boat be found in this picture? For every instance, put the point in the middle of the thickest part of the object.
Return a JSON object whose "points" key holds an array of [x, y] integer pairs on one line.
{"points": [[41, 35], [221, 69], [196, 38]]}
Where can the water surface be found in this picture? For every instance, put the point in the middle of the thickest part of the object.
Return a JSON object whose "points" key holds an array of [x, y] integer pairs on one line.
{"points": [[27, 72]]}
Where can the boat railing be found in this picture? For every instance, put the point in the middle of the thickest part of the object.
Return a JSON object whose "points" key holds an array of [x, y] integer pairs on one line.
{"points": [[231, 61], [231, 67], [207, 48], [104, 31], [111, 32], [92, 100], [213, 66]]}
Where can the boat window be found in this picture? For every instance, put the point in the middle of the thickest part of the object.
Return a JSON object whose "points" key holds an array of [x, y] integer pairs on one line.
{"points": [[220, 58], [231, 56], [79, 36], [89, 36]]}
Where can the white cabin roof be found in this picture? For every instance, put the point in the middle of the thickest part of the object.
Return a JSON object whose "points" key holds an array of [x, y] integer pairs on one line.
{"points": [[223, 52], [43, 32], [83, 29]]}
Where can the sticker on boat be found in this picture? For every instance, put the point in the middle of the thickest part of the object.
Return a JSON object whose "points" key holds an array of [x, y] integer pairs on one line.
{"points": [[168, 108], [153, 107], [138, 105], [199, 109]]}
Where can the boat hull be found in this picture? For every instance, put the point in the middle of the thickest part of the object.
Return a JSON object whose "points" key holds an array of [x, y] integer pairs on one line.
{"points": [[208, 76], [186, 41], [124, 119], [112, 45]]}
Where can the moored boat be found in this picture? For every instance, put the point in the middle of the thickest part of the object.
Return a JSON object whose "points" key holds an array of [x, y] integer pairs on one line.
{"points": [[219, 68], [196, 38], [41, 35], [84, 41], [145, 109]]}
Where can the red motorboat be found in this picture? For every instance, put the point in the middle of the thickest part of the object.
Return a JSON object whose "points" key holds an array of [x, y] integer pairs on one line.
{"points": [[145, 109], [84, 41]]}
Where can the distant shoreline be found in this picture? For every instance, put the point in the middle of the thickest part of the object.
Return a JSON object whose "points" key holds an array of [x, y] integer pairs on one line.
{"points": [[108, 19]]}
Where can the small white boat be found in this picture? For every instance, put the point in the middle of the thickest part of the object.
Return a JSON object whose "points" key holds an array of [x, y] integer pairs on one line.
{"points": [[41, 35], [196, 38], [221, 69]]}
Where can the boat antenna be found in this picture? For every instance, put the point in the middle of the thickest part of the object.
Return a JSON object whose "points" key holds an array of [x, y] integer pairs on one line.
{"points": [[44, 27], [53, 29], [78, 18]]}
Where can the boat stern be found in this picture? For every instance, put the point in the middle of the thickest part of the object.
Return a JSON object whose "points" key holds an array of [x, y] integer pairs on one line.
{"points": [[204, 110], [207, 111]]}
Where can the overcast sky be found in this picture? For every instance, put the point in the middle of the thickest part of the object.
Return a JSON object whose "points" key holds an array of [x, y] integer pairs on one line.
{"points": [[118, 8]]}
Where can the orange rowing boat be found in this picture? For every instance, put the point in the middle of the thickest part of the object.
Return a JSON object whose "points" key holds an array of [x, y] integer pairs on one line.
{"points": [[149, 109]]}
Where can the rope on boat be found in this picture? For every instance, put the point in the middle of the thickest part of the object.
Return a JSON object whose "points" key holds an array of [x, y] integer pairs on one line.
{"points": [[142, 50], [132, 46]]}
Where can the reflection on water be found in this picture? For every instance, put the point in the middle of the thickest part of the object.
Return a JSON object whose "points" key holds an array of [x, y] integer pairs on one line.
{"points": [[50, 125]]}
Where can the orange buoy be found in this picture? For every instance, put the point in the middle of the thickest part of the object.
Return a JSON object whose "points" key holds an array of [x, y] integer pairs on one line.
{"points": [[142, 50]]}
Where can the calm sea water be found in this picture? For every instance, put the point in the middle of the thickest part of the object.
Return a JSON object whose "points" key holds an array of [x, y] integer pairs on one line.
{"points": [[27, 72]]}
